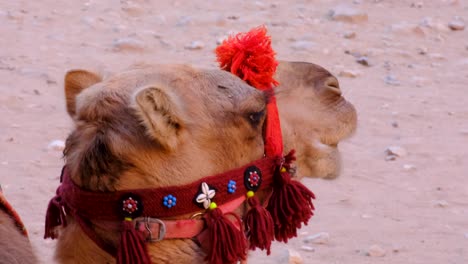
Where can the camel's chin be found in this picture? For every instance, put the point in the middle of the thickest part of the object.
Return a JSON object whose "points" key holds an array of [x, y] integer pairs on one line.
{"points": [[326, 165]]}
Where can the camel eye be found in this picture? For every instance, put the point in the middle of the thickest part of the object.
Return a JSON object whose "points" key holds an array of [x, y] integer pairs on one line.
{"points": [[256, 117]]}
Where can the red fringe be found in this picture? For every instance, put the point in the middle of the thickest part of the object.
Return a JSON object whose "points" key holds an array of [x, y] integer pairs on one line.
{"points": [[55, 217], [259, 226], [229, 244], [132, 247], [290, 204]]}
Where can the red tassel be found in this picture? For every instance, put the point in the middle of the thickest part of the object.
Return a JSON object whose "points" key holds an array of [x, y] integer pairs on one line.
{"points": [[229, 244], [290, 204], [259, 225], [132, 248], [251, 57], [55, 217]]}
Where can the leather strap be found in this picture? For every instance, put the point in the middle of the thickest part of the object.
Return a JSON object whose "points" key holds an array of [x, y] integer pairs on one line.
{"points": [[154, 229]]}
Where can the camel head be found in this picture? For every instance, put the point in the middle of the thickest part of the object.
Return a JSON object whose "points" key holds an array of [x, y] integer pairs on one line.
{"points": [[159, 125]]}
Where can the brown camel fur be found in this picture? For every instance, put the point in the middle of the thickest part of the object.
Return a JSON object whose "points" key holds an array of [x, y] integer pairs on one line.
{"points": [[160, 125]]}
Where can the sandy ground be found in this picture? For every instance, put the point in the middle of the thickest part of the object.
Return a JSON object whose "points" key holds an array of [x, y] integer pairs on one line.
{"points": [[413, 95]]}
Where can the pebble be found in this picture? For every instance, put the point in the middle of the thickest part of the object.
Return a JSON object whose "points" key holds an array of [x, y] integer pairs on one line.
{"points": [[302, 45], [133, 9], [409, 167], [57, 145], [289, 256], [349, 35], [435, 24], [195, 45], [405, 28], [348, 73], [393, 152], [220, 40], [366, 216], [437, 56], [363, 60], [456, 24], [307, 248], [128, 44], [319, 238], [348, 14], [376, 251], [440, 203], [417, 4], [395, 124], [391, 80], [422, 50]]}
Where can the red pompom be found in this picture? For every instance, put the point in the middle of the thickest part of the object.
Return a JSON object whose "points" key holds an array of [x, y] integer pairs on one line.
{"points": [[249, 56]]}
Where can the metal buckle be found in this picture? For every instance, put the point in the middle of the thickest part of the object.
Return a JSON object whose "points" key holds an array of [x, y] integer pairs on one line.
{"points": [[147, 221]]}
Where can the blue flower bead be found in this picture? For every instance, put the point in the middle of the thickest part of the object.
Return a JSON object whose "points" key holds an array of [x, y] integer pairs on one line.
{"points": [[231, 186], [169, 201]]}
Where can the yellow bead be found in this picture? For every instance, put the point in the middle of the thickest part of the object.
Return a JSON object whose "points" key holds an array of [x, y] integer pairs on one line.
{"points": [[250, 194], [213, 205], [128, 219], [283, 169]]}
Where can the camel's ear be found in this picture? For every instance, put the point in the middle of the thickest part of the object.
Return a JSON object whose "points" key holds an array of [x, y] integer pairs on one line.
{"points": [[160, 112], [75, 82]]}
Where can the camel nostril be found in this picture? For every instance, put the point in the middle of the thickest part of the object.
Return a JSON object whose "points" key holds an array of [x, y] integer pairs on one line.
{"points": [[332, 85]]}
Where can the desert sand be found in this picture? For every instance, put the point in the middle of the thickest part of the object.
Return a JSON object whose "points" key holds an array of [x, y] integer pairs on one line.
{"points": [[410, 90]]}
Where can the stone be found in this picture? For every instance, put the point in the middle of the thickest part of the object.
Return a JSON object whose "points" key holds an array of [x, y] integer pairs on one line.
{"points": [[417, 5], [363, 60], [396, 151], [376, 251], [395, 124], [435, 24], [319, 238], [348, 14], [407, 29], [437, 56], [422, 50], [391, 80], [57, 145], [195, 45], [128, 44], [289, 256], [456, 24], [409, 167], [348, 73], [302, 45], [349, 35], [440, 203], [307, 249]]}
